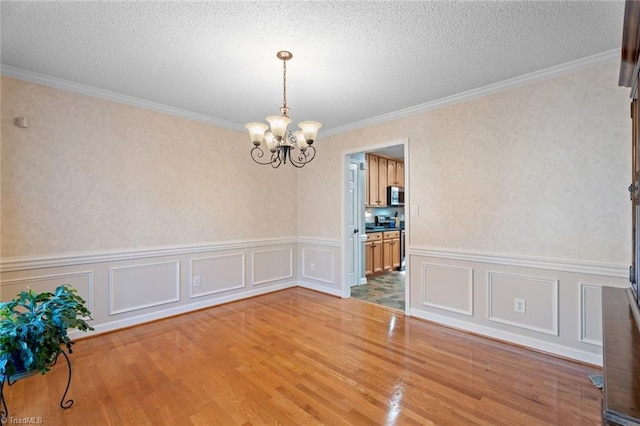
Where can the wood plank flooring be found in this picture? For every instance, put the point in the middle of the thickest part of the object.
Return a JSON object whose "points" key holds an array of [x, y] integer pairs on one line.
{"points": [[301, 357]]}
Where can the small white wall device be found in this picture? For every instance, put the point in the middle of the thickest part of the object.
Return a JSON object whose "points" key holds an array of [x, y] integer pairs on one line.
{"points": [[22, 122]]}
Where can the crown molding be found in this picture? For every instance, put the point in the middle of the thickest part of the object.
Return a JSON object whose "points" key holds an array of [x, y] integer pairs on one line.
{"points": [[82, 89], [582, 64]]}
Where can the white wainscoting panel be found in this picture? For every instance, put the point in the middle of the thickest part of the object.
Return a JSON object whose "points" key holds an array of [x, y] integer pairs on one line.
{"points": [[563, 296], [318, 264], [129, 287], [271, 265], [447, 287], [591, 314], [143, 286], [217, 274], [541, 301], [82, 281]]}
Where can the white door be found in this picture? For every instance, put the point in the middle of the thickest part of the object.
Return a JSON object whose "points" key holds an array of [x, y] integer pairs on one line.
{"points": [[353, 225]]}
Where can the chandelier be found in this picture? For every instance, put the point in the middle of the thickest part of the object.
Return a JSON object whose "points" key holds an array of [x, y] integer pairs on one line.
{"points": [[282, 145]]}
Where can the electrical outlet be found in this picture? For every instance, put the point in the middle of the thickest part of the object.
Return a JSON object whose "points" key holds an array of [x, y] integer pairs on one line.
{"points": [[519, 305], [196, 281], [312, 267]]}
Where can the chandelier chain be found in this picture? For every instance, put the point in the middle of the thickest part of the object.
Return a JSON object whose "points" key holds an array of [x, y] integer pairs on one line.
{"points": [[284, 84]]}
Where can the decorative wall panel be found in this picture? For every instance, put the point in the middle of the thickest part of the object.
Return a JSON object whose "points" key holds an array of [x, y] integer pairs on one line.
{"points": [[318, 264], [540, 297], [82, 281], [217, 274], [591, 314], [272, 265], [448, 287], [142, 286]]}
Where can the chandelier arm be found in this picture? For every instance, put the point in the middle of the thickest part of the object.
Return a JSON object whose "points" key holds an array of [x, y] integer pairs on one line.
{"points": [[297, 164], [276, 159], [257, 153], [310, 149], [303, 157]]}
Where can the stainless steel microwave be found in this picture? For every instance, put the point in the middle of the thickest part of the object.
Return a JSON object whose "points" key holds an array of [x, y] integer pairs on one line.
{"points": [[395, 196]]}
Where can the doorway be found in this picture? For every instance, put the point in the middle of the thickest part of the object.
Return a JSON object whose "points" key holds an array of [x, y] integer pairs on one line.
{"points": [[376, 227]]}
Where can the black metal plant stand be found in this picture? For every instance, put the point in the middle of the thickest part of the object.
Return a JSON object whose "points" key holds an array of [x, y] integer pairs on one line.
{"points": [[64, 403]]}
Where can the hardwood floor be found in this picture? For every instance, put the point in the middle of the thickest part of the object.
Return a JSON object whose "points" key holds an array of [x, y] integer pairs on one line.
{"points": [[301, 357]]}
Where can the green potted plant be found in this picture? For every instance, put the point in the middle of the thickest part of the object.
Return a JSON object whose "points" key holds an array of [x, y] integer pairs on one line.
{"points": [[33, 328]]}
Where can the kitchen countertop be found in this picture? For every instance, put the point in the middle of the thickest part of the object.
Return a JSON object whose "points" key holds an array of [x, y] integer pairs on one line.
{"points": [[381, 229]]}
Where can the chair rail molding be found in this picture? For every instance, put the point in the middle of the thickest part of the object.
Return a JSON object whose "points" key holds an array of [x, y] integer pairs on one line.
{"points": [[10, 264], [552, 264]]}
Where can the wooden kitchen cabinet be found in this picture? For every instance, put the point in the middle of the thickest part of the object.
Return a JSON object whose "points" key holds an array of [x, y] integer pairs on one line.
{"points": [[391, 173], [382, 252], [373, 253], [381, 172], [372, 193], [382, 181], [400, 173], [395, 173], [368, 256], [391, 248], [386, 255]]}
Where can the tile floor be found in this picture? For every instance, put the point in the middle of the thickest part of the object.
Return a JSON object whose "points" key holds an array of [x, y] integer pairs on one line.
{"points": [[386, 290]]}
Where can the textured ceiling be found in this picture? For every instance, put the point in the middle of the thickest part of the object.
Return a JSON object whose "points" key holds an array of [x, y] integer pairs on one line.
{"points": [[352, 61]]}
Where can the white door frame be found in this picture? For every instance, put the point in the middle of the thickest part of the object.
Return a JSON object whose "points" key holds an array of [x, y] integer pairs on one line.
{"points": [[346, 289]]}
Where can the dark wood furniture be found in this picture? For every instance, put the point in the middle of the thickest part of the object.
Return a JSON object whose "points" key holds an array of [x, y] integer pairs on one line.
{"points": [[620, 309], [621, 351], [629, 69]]}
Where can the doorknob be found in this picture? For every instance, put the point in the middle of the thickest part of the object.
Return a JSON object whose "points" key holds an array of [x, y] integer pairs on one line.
{"points": [[632, 188], [355, 231]]}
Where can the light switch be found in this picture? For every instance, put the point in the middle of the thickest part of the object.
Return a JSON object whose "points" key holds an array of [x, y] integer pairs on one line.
{"points": [[415, 210]]}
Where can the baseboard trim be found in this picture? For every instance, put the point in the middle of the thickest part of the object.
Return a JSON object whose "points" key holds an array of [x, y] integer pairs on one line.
{"points": [[536, 344], [179, 310], [321, 288], [553, 264]]}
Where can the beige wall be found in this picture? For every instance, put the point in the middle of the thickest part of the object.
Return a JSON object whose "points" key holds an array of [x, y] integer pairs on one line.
{"points": [[540, 170], [95, 175]]}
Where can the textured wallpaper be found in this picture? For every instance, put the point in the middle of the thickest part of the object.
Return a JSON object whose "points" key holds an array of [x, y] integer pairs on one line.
{"points": [[540, 170], [90, 174]]}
